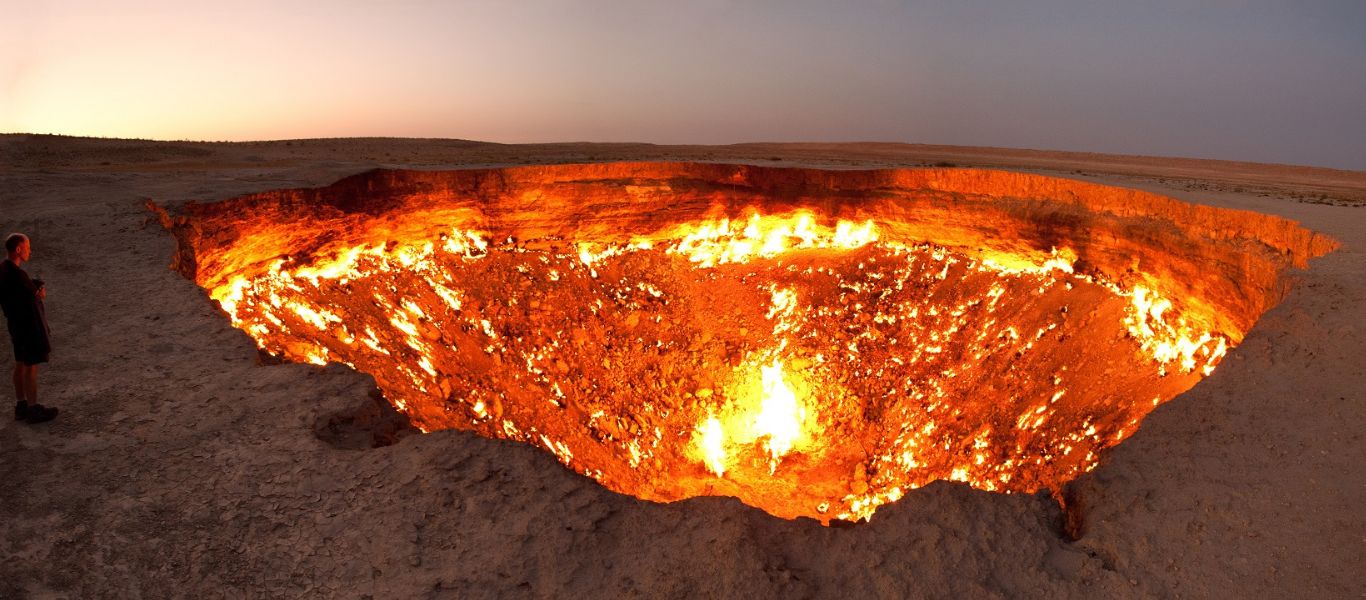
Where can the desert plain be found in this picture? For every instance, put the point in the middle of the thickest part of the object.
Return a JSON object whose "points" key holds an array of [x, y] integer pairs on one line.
{"points": [[183, 465]]}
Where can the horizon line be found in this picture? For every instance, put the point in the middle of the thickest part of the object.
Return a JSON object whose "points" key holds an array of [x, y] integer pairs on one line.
{"points": [[1060, 152]]}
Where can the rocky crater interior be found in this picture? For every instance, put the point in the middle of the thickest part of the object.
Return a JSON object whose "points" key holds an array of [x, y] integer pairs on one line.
{"points": [[815, 343]]}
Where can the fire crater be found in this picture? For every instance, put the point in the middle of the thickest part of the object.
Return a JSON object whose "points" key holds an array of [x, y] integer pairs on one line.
{"points": [[815, 343]]}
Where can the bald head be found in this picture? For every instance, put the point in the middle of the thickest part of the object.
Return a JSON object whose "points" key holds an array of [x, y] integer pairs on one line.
{"points": [[14, 240], [17, 247]]}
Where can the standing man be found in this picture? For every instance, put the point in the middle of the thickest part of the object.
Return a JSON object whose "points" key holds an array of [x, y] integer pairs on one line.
{"points": [[22, 301]]}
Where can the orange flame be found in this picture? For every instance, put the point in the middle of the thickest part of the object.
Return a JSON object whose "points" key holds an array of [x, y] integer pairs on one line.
{"points": [[711, 243], [779, 422], [711, 441]]}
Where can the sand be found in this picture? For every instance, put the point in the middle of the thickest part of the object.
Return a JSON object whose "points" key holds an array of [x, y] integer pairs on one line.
{"points": [[182, 467]]}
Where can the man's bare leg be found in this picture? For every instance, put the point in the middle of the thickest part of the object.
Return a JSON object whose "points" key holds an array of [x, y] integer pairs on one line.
{"points": [[20, 390], [20, 382], [26, 388], [31, 384]]}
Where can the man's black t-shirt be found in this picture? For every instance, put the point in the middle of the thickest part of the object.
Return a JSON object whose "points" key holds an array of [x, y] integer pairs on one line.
{"points": [[24, 314]]}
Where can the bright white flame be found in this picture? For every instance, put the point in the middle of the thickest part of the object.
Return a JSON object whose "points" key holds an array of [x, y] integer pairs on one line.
{"points": [[780, 417], [718, 242], [712, 441]]}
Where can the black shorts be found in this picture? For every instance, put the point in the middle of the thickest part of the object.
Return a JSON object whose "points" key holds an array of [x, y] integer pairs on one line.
{"points": [[30, 341]]}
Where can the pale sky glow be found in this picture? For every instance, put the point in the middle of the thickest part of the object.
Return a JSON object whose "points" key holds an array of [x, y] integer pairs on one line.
{"points": [[1233, 79]]}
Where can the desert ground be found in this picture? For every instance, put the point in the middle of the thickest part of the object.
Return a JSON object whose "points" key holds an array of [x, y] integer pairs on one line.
{"points": [[182, 465]]}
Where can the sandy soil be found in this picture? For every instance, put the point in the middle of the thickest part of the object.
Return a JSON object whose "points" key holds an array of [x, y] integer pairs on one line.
{"points": [[182, 467]]}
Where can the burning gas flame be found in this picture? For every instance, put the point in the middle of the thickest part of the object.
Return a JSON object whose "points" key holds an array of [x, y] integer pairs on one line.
{"points": [[779, 422], [711, 441], [1167, 342], [711, 243], [775, 419]]}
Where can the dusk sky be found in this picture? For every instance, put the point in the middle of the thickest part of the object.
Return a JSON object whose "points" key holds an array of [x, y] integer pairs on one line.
{"points": [[1241, 80]]}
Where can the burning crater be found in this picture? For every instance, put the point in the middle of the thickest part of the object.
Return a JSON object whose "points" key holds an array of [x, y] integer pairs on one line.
{"points": [[816, 343]]}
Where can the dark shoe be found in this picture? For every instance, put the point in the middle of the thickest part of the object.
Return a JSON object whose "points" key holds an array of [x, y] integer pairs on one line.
{"points": [[38, 413], [20, 410]]}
